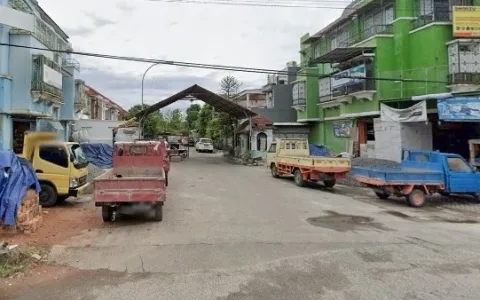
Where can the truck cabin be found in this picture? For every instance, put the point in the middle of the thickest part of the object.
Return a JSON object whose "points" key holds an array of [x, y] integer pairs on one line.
{"points": [[435, 160], [290, 147]]}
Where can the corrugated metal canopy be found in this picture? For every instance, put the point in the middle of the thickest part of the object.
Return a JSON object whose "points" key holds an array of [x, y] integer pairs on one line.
{"points": [[339, 55], [209, 97]]}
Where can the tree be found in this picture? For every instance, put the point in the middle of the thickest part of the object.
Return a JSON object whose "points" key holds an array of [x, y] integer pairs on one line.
{"points": [[229, 86], [153, 124], [204, 117], [176, 123], [192, 114]]}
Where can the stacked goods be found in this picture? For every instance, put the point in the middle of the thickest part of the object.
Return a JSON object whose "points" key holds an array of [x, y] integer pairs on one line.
{"points": [[29, 216]]}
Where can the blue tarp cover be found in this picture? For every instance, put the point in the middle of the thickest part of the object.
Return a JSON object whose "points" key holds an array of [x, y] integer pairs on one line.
{"points": [[16, 176], [98, 154], [318, 150]]}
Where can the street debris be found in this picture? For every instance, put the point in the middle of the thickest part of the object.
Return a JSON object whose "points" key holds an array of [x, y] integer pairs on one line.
{"points": [[16, 259]]}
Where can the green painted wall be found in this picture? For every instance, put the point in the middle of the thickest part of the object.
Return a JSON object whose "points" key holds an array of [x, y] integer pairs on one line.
{"points": [[428, 60], [409, 54]]}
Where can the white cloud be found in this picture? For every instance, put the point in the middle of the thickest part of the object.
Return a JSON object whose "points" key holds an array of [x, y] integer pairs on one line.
{"points": [[259, 37]]}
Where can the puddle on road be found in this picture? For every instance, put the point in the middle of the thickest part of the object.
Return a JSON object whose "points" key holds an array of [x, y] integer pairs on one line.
{"points": [[342, 222]]}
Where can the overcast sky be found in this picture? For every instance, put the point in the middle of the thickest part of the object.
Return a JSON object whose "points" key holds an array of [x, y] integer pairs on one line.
{"points": [[260, 37]]}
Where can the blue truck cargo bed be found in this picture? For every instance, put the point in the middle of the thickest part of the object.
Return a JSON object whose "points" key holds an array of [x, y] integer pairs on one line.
{"points": [[400, 175]]}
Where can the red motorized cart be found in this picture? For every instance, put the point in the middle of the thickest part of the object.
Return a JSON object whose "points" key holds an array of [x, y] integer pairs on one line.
{"points": [[136, 183]]}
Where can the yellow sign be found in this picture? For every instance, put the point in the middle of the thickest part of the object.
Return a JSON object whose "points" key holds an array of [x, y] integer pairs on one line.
{"points": [[466, 21]]}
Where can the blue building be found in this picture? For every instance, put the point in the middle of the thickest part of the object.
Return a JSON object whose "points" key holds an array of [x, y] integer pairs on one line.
{"points": [[37, 87]]}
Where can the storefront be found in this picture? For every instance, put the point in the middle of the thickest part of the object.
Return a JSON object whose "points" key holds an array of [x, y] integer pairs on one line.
{"points": [[458, 121], [19, 127]]}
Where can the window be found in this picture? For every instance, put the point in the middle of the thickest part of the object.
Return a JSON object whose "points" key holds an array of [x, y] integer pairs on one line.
{"points": [[456, 164], [273, 148], [55, 155], [420, 157], [288, 146], [261, 141]]}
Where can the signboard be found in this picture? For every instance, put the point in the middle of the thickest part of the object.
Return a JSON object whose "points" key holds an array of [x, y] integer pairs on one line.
{"points": [[52, 77], [338, 81], [466, 21], [415, 113], [459, 109], [342, 129]]}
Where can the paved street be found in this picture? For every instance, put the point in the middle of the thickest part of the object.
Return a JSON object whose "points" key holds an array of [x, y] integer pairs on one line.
{"points": [[234, 232]]}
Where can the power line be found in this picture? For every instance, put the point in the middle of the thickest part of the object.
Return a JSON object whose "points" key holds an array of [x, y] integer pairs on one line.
{"points": [[322, 4], [213, 66], [275, 3]]}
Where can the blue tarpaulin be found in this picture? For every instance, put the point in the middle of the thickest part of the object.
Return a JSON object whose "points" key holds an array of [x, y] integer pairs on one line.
{"points": [[98, 154], [318, 150], [16, 177]]}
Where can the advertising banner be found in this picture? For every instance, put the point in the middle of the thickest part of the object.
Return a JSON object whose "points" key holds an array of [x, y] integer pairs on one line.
{"points": [[459, 109], [52, 77], [342, 129], [415, 113], [338, 80], [466, 21]]}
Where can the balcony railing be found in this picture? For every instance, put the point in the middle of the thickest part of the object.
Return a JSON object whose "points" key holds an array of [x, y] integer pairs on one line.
{"points": [[440, 15], [464, 73], [365, 85], [367, 33], [38, 84], [299, 102]]}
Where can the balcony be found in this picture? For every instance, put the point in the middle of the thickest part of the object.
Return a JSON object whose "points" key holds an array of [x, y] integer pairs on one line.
{"points": [[463, 65], [366, 34], [46, 80], [440, 15], [335, 91]]}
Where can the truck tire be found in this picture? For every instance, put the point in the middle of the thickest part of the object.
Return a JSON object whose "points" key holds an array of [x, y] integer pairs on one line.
{"points": [[329, 183], [416, 198], [274, 171], [108, 214], [382, 194], [298, 178], [158, 213], [48, 195]]}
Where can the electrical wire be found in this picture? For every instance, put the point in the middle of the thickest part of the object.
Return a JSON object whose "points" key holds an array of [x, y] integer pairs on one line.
{"points": [[322, 4], [214, 66]]}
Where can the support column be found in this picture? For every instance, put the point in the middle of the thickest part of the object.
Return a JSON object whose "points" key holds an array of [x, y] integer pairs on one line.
{"points": [[5, 87]]}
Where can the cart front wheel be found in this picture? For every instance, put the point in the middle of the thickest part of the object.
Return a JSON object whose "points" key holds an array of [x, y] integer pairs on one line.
{"points": [[416, 198], [108, 214], [298, 178], [274, 171]]}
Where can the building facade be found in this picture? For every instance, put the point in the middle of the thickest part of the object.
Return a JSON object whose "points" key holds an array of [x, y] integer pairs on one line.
{"points": [[279, 104], [37, 87], [91, 104], [364, 76]]}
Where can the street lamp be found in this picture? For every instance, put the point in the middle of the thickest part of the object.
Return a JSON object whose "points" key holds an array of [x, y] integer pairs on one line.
{"points": [[143, 81]]}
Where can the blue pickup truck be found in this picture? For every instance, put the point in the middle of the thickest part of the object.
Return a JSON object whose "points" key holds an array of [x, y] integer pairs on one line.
{"points": [[422, 173]]}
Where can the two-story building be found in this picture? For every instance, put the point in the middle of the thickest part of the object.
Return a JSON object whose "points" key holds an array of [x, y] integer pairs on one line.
{"points": [[91, 104], [280, 102], [372, 80], [36, 86]]}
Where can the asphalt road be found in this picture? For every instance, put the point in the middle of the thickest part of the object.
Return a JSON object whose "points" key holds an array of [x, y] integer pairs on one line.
{"points": [[233, 232]]}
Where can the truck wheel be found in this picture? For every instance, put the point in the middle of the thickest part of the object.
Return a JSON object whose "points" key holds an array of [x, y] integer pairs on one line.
{"points": [[274, 171], [158, 213], [416, 198], [61, 199], [48, 195], [329, 183], [382, 195], [298, 178], [108, 214]]}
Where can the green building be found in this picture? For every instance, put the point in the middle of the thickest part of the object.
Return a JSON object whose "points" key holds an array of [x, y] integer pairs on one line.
{"points": [[386, 58]]}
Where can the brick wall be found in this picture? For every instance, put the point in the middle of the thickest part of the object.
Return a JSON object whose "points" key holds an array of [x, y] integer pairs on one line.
{"points": [[29, 215], [391, 137]]}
